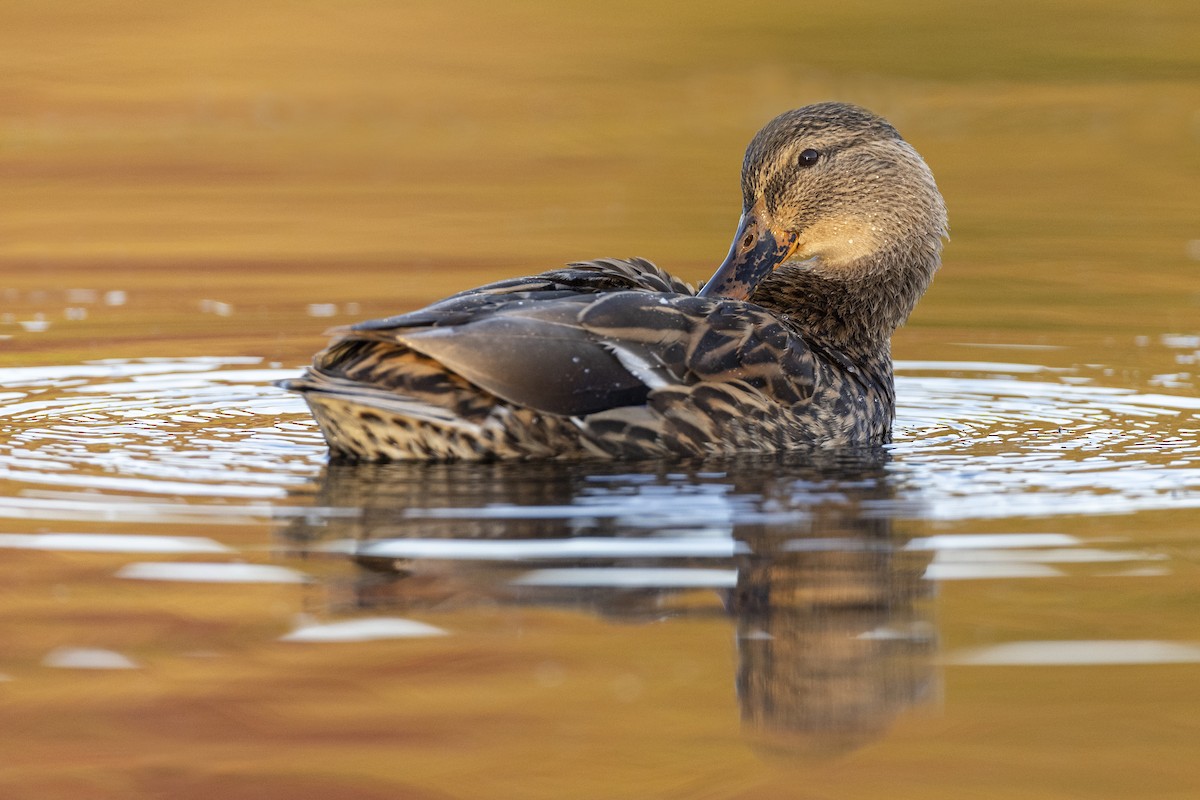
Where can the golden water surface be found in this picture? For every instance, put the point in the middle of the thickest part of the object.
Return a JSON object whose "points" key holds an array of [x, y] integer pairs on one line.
{"points": [[211, 185]]}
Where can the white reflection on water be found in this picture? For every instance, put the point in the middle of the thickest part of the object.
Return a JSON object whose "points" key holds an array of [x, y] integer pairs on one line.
{"points": [[1079, 555], [989, 571], [1031, 561], [631, 578], [111, 508], [111, 543], [518, 550], [991, 541], [194, 572], [1078, 653], [362, 630], [87, 658], [989, 367]]}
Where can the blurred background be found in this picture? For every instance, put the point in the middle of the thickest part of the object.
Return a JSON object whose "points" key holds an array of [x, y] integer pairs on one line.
{"points": [[192, 193], [193, 179]]}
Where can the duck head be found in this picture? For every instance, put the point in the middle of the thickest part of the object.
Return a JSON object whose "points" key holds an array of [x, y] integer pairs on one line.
{"points": [[842, 224]]}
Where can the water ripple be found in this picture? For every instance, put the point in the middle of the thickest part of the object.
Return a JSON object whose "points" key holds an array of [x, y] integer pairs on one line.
{"points": [[1000, 446], [196, 438]]}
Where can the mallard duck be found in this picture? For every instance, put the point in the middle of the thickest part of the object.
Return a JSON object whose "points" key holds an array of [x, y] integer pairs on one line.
{"points": [[787, 346]]}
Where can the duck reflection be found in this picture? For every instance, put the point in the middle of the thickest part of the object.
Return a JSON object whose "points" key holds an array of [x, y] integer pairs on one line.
{"points": [[834, 628], [833, 619]]}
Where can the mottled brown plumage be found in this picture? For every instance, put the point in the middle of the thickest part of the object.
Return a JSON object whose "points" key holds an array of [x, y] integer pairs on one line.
{"points": [[618, 359]]}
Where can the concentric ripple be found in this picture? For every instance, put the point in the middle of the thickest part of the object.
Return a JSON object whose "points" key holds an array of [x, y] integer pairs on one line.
{"points": [[212, 438], [151, 439], [995, 445]]}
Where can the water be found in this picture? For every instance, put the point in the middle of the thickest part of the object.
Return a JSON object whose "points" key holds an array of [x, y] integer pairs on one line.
{"points": [[195, 604], [177, 536]]}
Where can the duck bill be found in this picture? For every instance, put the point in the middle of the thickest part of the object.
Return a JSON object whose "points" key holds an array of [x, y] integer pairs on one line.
{"points": [[757, 249]]}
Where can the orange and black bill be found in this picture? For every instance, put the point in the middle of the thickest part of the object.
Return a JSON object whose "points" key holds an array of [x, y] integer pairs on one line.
{"points": [[757, 249]]}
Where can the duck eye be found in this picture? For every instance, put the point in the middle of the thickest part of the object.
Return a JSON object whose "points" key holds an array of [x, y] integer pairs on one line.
{"points": [[808, 157]]}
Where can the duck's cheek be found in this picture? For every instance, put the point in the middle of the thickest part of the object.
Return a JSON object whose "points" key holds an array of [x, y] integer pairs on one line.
{"points": [[837, 242]]}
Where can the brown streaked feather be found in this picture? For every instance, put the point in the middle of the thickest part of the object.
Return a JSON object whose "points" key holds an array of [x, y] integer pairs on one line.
{"points": [[558, 373]]}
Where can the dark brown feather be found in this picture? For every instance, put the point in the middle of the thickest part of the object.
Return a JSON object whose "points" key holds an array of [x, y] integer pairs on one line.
{"points": [[540, 370]]}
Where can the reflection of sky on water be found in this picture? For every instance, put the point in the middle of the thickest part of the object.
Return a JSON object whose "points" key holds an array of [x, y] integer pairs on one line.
{"points": [[199, 572], [362, 630], [1078, 653]]}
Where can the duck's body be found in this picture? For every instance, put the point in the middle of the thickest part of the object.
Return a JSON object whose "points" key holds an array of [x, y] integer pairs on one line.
{"points": [[609, 358], [618, 359]]}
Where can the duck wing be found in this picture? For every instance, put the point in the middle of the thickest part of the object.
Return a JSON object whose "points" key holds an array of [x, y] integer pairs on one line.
{"points": [[516, 339], [529, 351], [601, 275], [572, 353], [671, 341]]}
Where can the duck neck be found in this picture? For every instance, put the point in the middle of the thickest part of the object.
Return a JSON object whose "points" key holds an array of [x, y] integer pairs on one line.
{"points": [[854, 308]]}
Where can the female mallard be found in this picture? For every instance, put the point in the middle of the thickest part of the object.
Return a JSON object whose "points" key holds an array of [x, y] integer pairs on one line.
{"points": [[787, 346]]}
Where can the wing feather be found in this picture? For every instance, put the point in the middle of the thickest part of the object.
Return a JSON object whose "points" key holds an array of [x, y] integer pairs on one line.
{"points": [[592, 338]]}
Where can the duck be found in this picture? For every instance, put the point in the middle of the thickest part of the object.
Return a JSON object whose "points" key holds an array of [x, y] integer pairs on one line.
{"points": [[786, 347]]}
